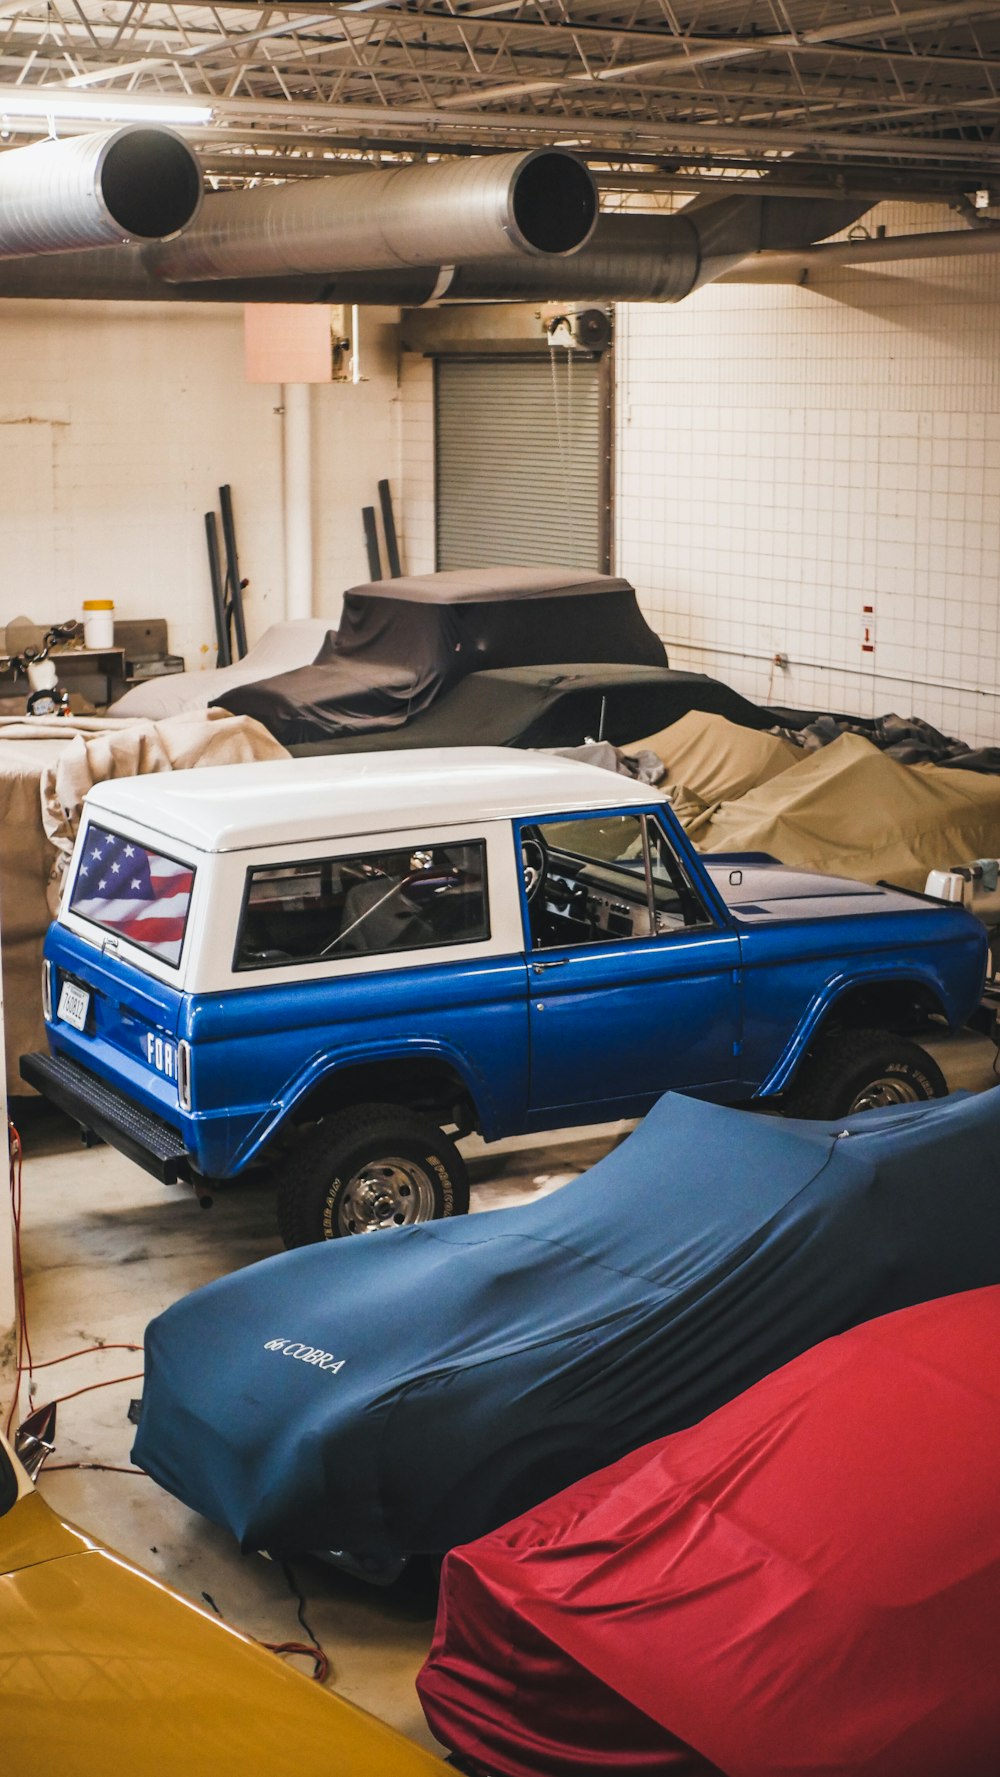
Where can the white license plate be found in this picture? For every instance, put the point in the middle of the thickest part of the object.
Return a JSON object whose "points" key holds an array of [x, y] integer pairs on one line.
{"points": [[74, 1004]]}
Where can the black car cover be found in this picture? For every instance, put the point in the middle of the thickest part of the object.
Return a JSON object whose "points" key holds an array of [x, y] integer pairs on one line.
{"points": [[401, 643], [555, 706], [411, 1390]]}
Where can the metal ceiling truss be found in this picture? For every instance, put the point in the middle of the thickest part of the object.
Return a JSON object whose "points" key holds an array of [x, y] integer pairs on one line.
{"points": [[887, 100]]}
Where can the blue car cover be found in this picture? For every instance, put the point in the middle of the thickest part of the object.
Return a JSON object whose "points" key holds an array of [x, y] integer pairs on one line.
{"points": [[411, 1390]]}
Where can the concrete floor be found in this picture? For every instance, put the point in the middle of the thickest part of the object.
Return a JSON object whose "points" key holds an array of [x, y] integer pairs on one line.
{"points": [[104, 1249]]}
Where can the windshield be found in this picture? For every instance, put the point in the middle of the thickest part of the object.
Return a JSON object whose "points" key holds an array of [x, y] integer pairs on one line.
{"points": [[138, 894]]}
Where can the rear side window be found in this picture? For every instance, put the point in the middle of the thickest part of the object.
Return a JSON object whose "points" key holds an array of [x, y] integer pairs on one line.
{"points": [[364, 905], [138, 894]]}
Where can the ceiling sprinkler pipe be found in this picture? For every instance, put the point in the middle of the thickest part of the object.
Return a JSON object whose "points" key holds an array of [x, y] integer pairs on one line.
{"points": [[137, 183], [536, 205]]}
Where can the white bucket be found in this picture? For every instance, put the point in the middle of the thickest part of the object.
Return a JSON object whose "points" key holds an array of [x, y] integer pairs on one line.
{"points": [[99, 623]]}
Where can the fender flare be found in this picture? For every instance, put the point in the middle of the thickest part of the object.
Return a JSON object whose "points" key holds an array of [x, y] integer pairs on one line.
{"points": [[334, 1061], [819, 1008]]}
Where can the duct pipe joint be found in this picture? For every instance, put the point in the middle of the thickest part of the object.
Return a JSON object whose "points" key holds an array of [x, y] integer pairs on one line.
{"points": [[138, 183]]}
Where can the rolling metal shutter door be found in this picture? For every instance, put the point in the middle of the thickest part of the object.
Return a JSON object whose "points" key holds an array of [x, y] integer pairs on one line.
{"points": [[521, 469]]}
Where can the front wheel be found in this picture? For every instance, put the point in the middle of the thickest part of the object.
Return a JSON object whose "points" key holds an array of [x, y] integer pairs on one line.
{"points": [[863, 1070], [362, 1171]]}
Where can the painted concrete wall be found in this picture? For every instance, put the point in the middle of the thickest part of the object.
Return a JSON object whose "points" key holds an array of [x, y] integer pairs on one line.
{"points": [[118, 422], [417, 472], [787, 458]]}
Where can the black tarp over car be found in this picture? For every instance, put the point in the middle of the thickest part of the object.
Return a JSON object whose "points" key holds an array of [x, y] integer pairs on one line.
{"points": [[401, 643], [555, 706]]}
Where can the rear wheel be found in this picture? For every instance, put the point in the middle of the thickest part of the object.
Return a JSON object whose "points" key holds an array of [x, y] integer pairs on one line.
{"points": [[863, 1070], [361, 1171]]}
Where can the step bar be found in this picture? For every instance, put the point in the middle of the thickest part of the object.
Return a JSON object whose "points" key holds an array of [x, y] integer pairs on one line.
{"points": [[106, 1112]]}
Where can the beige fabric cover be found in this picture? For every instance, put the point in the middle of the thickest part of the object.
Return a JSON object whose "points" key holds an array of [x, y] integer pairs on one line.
{"points": [[26, 859], [280, 649], [851, 810], [715, 759], [46, 769]]}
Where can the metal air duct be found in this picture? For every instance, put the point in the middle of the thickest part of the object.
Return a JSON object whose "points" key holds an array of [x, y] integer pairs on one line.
{"points": [[137, 183], [635, 257], [505, 206], [630, 257]]}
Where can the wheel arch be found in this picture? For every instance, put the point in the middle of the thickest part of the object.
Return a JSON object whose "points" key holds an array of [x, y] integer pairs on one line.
{"points": [[907, 1004], [428, 1082]]}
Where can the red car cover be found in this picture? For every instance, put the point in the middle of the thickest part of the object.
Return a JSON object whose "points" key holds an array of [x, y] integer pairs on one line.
{"points": [[807, 1582]]}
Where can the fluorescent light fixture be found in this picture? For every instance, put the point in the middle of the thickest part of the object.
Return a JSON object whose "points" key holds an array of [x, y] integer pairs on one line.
{"points": [[55, 101]]}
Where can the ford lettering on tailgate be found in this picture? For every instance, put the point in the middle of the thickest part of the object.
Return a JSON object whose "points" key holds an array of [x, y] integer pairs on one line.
{"points": [[161, 1054]]}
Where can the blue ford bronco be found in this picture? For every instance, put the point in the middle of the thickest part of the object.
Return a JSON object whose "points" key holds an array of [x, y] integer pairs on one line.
{"points": [[339, 966]]}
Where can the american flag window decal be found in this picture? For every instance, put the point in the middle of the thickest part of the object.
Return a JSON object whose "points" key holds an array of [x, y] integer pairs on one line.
{"points": [[136, 893]]}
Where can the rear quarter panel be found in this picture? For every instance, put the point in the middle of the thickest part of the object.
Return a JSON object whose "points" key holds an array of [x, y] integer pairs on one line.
{"points": [[257, 1052]]}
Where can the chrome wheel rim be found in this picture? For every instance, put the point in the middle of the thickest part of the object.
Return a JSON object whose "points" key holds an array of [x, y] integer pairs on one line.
{"points": [[880, 1093], [389, 1193]]}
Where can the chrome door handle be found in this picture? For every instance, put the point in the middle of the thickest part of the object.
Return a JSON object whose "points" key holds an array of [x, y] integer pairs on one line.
{"points": [[558, 962]]}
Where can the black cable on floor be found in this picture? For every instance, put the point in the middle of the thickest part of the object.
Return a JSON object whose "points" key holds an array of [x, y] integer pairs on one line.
{"points": [[297, 1593]]}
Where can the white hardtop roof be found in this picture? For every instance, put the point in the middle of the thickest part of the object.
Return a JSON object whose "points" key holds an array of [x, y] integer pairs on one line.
{"points": [[287, 801]]}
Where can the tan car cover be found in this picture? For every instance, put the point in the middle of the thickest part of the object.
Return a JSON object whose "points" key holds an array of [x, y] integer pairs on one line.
{"points": [[715, 759], [851, 810]]}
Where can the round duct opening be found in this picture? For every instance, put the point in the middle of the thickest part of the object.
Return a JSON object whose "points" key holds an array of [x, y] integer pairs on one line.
{"points": [[150, 182], [555, 202]]}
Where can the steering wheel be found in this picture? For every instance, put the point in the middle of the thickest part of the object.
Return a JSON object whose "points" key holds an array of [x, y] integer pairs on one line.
{"points": [[532, 866]]}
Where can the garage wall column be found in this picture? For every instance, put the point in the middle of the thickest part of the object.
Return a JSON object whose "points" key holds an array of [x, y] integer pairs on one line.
{"points": [[297, 467]]}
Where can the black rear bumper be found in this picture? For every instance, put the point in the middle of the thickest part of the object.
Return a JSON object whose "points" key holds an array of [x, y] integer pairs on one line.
{"points": [[96, 1106]]}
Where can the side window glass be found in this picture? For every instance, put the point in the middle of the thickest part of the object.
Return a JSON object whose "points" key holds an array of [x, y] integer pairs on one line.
{"points": [[585, 880], [364, 905], [676, 900]]}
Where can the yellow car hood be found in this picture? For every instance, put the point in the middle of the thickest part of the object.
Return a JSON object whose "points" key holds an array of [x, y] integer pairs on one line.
{"points": [[103, 1670]]}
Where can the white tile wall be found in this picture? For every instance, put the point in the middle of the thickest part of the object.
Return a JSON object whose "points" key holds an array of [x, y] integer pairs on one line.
{"points": [[416, 520], [787, 457], [118, 422]]}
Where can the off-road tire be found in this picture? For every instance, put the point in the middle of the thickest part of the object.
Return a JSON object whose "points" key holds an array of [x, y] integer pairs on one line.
{"points": [[846, 1066], [324, 1175]]}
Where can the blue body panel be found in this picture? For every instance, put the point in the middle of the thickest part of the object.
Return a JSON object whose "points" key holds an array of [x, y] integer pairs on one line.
{"points": [[129, 1011], [259, 1051], [611, 1023], [794, 973]]}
